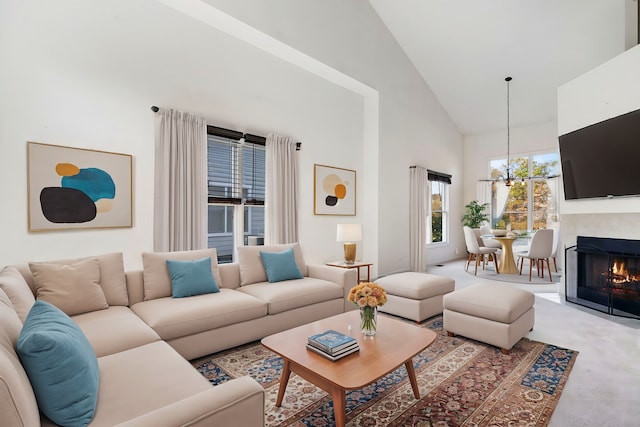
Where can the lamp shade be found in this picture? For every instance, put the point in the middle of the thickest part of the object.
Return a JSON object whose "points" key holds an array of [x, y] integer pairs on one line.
{"points": [[349, 233]]}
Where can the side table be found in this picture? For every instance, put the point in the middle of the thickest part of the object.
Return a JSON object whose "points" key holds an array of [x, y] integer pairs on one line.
{"points": [[357, 265]]}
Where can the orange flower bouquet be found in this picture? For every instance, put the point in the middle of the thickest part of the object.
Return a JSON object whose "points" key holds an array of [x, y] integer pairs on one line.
{"points": [[368, 297]]}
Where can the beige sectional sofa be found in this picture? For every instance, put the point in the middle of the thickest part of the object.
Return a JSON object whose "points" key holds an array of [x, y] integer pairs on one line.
{"points": [[143, 337]]}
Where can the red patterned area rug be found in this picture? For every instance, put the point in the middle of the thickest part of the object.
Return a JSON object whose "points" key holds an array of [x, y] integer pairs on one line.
{"points": [[462, 383]]}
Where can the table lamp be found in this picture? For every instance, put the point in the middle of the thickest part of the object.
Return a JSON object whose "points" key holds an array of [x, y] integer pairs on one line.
{"points": [[349, 233]]}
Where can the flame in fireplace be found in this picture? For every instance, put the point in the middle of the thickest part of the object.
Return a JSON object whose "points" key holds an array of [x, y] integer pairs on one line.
{"points": [[620, 274]]}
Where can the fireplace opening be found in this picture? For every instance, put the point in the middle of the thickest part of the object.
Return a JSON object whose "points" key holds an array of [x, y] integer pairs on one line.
{"points": [[604, 274]]}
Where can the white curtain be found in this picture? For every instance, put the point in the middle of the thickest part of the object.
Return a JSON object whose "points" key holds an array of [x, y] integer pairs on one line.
{"points": [[502, 194], [281, 212], [418, 209], [554, 189], [180, 194], [483, 192]]}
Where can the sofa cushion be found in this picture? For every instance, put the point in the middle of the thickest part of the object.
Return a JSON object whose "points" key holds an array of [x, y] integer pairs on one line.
{"points": [[18, 405], [112, 278], [157, 281], [280, 266], [61, 365], [73, 288], [251, 267], [290, 294], [115, 329], [191, 277], [15, 286], [141, 380], [172, 318]]}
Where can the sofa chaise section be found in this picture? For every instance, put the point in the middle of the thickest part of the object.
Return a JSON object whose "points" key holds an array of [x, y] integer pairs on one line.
{"points": [[149, 385], [143, 380], [140, 384]]}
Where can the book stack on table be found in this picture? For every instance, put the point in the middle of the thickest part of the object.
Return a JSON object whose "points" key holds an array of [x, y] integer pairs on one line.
{"points": [[332, 344]]}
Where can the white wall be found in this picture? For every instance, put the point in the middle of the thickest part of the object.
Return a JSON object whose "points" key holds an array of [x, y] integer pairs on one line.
{"points": [[84, 74], [96, 90]]}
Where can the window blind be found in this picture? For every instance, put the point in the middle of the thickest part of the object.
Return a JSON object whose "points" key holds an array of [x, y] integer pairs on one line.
{"points": [[253, 173], [236, 169], [438, 176], [223, 175]]}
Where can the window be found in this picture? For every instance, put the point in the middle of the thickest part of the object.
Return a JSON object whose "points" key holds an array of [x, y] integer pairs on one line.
{"points": [[531, 202], [438, 219], [236, 188]]}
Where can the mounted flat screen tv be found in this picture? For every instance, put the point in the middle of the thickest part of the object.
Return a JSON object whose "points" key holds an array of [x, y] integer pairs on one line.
{"points": [[602, 160]]}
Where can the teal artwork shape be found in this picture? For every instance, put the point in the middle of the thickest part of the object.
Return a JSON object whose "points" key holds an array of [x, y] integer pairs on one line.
{"points": [[94, 182]]}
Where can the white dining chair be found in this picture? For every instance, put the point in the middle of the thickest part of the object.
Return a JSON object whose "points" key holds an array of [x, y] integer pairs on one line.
{"points": [[477, 252], [539, 252], [485, 230]]}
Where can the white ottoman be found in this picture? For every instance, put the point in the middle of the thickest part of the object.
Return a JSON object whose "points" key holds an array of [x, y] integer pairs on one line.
{"points": [[495, 314], [415, 296]]}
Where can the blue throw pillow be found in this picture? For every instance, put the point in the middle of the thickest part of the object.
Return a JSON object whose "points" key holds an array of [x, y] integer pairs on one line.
{"points": [[191, 277], [61, 365], [280, 265]]}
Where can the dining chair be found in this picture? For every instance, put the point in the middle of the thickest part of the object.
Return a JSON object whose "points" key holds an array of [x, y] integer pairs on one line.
{"points": [[477, 252], [489, 243], [539, 252]]}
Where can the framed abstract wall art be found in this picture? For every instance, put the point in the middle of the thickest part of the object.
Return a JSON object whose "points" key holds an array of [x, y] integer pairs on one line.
{"points": [[71, 188], [334, 191]]}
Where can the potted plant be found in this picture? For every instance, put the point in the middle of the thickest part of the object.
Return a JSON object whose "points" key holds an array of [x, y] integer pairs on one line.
{"points": [[474, 215]]}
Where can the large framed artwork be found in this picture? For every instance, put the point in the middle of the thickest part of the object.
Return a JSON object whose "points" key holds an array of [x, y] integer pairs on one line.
{"points": [[334, 191], [73, 188]]}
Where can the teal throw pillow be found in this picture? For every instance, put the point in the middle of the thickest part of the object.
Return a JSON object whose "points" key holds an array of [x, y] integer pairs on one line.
{"points": [[191, 277], [61, 365], [280, 265]]}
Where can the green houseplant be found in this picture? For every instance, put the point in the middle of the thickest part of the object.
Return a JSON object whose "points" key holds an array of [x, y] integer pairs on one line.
{"points": [[474, 215]]}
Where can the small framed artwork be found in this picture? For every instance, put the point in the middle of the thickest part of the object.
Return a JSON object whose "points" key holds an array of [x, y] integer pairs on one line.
{"points": [[334, 191], [72, 188]]}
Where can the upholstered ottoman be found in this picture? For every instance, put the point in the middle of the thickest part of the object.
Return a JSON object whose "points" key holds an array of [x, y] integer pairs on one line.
{"points": [[492, 313], [415, 296]]}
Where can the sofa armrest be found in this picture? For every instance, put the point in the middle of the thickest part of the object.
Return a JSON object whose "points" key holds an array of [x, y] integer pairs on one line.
{"points": [[345, 277], [238, 402]]}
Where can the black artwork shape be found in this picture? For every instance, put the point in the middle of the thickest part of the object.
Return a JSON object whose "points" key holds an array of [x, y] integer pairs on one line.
{"points": [[331, 201], [66, 205]]}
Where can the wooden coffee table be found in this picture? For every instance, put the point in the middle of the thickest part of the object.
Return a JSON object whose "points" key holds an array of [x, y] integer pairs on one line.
{"points": [[395, 344]]}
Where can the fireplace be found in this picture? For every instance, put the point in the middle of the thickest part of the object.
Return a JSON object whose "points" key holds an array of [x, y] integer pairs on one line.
{"points": [[604, 274]]}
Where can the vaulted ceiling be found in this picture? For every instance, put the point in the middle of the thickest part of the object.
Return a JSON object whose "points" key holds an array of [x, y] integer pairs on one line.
{"points": [[464, 49]]}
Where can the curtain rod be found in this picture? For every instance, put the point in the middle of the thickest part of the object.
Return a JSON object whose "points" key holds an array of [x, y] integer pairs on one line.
{"points": [[155, 109]]}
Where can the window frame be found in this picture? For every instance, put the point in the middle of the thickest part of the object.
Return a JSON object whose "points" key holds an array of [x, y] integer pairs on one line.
{"points": [[444, 183], [236, 195], [530, 181]]}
